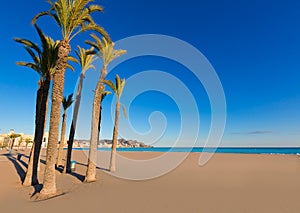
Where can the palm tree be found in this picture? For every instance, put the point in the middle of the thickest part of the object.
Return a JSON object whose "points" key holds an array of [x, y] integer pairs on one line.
{"points": [[107, 53], [67, 102], [44, 61], [12, 138], [86, 59], [20, 142], [73, 17], [27, 141], [118, 90]]}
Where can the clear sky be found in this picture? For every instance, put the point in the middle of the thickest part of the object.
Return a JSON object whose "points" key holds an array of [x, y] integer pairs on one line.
{"points": [[254, 47]]}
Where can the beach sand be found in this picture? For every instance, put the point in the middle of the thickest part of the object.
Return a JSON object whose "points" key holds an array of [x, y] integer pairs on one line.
{"points": [[227, 183]]}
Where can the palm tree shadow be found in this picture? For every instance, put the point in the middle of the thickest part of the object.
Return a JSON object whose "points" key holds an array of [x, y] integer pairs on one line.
{"points": [[59, 168], [37, 189], [74, 174], [82, 177], [20, 156], [21, 161], [78, 176], [17, 166], [101, 168]]}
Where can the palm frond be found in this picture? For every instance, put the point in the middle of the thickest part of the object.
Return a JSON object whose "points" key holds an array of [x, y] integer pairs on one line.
{"points": [[93, 44], [29, 44], [124, 110], [37, 16], [117, 87], [42, 37], [117, 53], [86, 58], [121, 87], [44, 59], [34, 57], [69, 66], [73, 17], [95, 8], [30, 65], [105, 49], [111, 85], [104, 94], [73, 59], [67, 101], [118, 82]]}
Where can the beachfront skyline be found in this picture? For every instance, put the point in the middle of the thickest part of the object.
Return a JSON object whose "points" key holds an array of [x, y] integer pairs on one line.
{"points": [[254, 48]]}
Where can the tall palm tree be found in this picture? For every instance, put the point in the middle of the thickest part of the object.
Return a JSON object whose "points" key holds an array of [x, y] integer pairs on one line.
{"points": [[73, 17], [86, 59], [44, 61], [118, 90], [67, 102], [107, 53]]}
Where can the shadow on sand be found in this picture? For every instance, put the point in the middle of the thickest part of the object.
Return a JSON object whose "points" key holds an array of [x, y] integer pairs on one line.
{"points": [[18, 162], [80, 177], [101, 168], [18, 167]]}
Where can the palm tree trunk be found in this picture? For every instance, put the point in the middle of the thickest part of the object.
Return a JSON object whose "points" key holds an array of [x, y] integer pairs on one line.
{"points": [[45, 124], [28, 177], [115, 139], [100, 113], [99, 123], [62, 141], [31, 177], [49, 186], [91, 169], [67, 168], [40, 131], [19, 144], [12, 144]]}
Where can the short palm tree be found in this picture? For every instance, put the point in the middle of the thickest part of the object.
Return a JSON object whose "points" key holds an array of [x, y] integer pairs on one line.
{"points": [[73, 17], [12, 138], [27, 141], [86, 59], [43, 63], [20, 142], [107, 53], [118, 90], [67, 102]]}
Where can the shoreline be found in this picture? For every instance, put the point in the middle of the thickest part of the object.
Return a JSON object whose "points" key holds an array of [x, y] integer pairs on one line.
{"points": [[225, 150]]}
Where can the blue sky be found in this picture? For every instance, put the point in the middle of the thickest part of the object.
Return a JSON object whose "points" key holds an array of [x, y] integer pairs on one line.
{"points": [[254, 46]]}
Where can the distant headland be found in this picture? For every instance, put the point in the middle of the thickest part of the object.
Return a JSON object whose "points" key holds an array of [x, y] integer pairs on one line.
{"points": [[121, 143]]}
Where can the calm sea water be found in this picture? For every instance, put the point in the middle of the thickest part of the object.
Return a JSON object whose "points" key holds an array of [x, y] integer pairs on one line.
{"points": [[260, 150]]}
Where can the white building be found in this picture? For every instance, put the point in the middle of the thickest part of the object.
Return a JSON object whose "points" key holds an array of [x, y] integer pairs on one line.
{"points": [[45, 140], [4, 138]]}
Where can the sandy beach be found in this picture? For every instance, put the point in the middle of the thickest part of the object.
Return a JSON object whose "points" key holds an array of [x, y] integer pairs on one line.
{"points": [[228, 183]]}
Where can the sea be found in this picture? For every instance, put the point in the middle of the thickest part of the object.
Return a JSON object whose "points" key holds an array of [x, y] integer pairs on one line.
{"points": [[233, 150]]}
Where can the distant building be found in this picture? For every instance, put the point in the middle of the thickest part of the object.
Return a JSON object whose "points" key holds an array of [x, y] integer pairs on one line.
{"points": [[4, 139], [45, 140]]}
